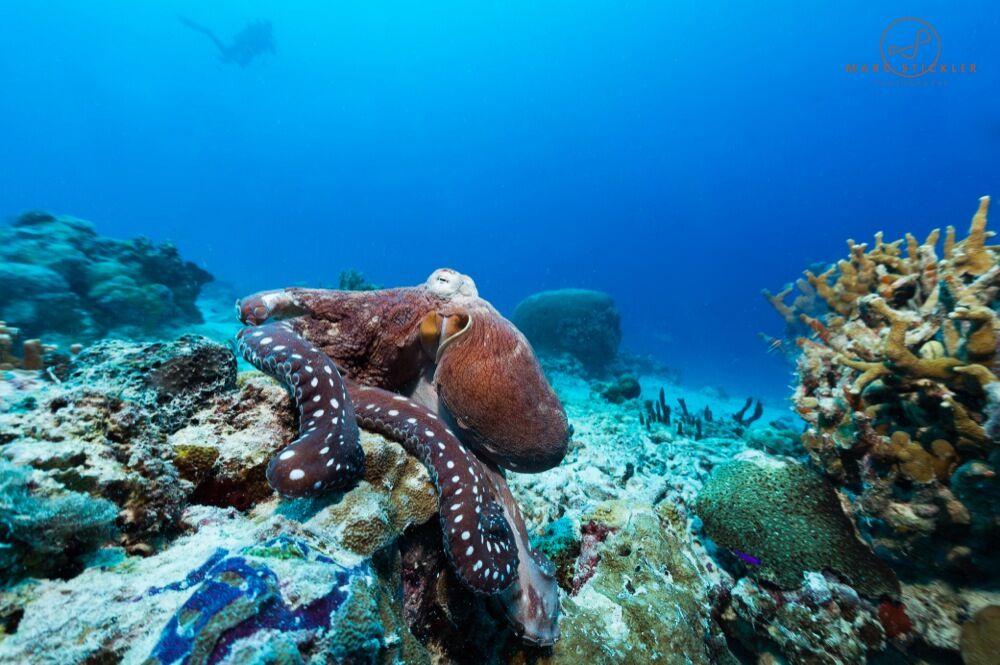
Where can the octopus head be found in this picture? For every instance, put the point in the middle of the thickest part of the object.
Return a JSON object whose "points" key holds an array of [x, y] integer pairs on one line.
{"points": [[448, 283]]}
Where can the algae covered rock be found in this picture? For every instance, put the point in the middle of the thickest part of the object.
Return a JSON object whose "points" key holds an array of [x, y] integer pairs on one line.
{"points": [[825, 622], [788, 518], [45, 532], [103, 430], [582, 323], [640, 595]]}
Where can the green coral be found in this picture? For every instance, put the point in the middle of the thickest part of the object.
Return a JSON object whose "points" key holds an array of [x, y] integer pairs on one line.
{"points": [[41, 534], [789, 518], [359, 635], [561, 543]]}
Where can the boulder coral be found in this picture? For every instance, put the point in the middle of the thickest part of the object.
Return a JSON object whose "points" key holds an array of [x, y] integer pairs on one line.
{"points": [[786, 520], [584, 324], [895, 383], [59, 277]]}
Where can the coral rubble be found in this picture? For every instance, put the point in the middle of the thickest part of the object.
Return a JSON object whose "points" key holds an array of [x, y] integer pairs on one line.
{"points": [[897, 383]]}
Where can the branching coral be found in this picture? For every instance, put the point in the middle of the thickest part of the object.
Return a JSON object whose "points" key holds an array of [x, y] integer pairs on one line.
{"points": [[894, 384]]}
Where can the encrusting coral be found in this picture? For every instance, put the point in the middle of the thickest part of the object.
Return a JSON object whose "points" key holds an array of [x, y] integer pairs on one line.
{"points": [[787, 521], [894, 384]]}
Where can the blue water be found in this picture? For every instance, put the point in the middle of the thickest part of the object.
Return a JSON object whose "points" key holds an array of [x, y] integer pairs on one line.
{"points": [[679, 158]]}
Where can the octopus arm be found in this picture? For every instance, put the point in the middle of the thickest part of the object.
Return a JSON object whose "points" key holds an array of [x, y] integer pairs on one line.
{"points": [[531, 604], [327, 454], [478, 540]]}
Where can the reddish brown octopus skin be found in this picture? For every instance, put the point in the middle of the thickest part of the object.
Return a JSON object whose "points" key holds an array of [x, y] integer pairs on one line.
{"points": [[478, 538], [486, 376], [446, 350]]}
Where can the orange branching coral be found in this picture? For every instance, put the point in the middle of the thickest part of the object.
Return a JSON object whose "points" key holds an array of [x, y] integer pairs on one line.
{"points": [[32, 350], [896, 379], [7, 335]]}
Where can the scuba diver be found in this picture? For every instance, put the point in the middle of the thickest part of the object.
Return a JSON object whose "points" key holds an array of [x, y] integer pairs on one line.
{"points": [[255, 39]]}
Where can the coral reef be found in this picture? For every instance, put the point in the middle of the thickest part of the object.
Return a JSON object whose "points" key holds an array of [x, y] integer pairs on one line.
{"points": [[352, 280], [787, 521], [584, 324], [896, 383], [59, 278]]}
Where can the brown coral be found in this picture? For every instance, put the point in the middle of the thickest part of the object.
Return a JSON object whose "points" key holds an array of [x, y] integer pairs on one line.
{"points": [[893, 382]]}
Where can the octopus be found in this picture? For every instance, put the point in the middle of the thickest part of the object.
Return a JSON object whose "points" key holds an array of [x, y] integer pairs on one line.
{"points": [[437, 369]]}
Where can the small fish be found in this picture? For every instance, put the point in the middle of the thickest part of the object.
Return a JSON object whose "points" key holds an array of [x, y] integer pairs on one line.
{"points": [[752, 560]]}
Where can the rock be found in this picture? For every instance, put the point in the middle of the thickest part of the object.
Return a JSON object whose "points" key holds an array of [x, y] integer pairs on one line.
{"points": [[824, 623], [102, 431], [58, 278], [625, 388], [981, 637], [170, 379], [582, 323], [225, 447], [784, 515], [638, 567]]}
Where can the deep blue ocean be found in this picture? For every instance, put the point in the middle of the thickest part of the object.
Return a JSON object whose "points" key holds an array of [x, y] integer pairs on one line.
{"points": [[680, 158]]}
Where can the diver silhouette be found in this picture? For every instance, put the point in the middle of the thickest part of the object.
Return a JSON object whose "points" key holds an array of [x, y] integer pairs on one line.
{"points": [[257, 38]]}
